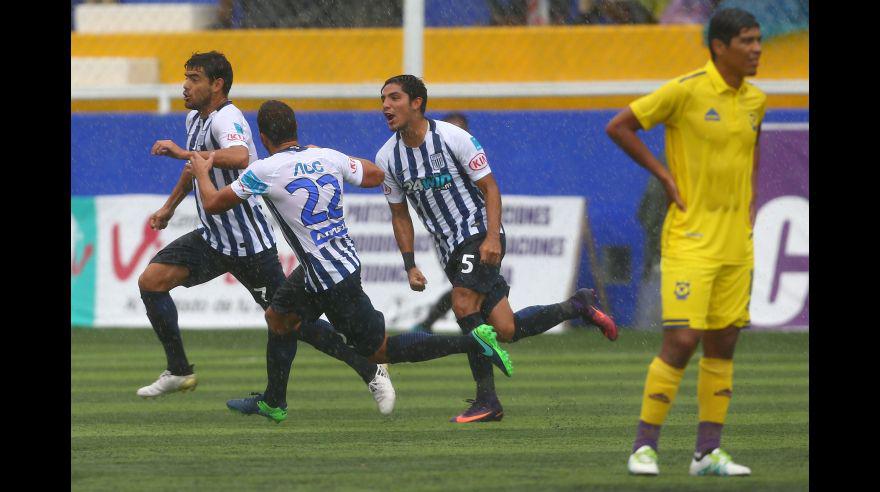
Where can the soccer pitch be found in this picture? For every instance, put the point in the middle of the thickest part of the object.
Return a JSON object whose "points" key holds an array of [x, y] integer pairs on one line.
{"points": [[570, 414]]}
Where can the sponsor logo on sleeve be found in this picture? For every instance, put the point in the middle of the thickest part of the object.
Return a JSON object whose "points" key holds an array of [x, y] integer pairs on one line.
{"points": [[353, 164], [238, 128], [232, 137], [478, 162], [386, 189]]}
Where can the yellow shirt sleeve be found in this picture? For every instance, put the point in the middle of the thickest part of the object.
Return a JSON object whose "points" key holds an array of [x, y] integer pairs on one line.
{"points": [[661, 106]]}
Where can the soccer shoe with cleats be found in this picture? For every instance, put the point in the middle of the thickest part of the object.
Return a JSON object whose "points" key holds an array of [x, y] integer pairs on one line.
{"points": [[718, 463], [382, 390], [488, 340], [584, 300], [643, 461], [169, 383], [256, 405], [480, 411]]}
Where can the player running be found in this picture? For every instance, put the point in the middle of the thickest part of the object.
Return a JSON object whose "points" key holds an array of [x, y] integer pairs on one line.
{"points": [[444, 173], [239, 241], [302, 188], [713, 121]]}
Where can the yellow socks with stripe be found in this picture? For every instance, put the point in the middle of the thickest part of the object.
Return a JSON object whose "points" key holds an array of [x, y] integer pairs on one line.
{"points": [[661, 386], [714, 389]]}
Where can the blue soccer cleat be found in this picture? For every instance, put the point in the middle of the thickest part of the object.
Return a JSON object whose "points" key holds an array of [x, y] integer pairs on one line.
{"points": [[256, 405]]}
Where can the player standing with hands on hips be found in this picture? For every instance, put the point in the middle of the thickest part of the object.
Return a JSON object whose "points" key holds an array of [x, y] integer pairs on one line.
{"points": [[444, 173], [713, 121]]}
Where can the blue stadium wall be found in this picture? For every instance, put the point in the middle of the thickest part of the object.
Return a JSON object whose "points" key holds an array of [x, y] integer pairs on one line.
{"points": [[531, 153]]}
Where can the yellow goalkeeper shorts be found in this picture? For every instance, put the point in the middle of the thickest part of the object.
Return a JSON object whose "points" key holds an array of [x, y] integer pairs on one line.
{"points": [[705, 296]]}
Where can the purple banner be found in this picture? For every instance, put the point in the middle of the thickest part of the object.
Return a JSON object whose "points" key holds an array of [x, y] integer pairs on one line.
{"points": [[780, 289]]}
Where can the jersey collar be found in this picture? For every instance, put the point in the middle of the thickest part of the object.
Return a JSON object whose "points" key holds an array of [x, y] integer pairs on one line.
{"points": [[718, 82]]}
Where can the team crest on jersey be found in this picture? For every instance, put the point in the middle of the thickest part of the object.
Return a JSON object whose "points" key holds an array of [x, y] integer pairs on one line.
{"points": [[712, 115], [478, 162], [682, 290], [437, 161], [753, 120]]}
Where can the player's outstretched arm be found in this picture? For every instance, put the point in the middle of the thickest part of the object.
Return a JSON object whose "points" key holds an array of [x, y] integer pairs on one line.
{"points": [[235, 157], [159, 219], [490, 250], [169, 149], [373, 174], [213, 201], [622, 130], [404, 233]]}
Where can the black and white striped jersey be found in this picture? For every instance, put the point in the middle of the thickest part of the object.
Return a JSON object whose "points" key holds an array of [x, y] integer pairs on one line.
{"points": [[438, 178], [302, 188], [243, 230]]}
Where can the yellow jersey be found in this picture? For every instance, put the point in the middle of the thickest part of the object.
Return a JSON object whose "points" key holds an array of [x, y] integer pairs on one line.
{"points": [[711, 133]]}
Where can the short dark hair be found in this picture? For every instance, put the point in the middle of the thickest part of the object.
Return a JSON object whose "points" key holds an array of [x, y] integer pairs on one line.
{"points": [[215, 65], [412, 86], [277, 121], [726, 24], [457, 116]]}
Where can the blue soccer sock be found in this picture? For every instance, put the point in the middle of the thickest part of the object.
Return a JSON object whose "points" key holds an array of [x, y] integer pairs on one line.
{"points": [[535, 320], [280, 352], [417, 347], [481, 367], [163, 316], [321, 335]]}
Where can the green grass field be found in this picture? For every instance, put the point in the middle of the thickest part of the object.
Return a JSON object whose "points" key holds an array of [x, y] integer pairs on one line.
{"points": [[570, 415]]}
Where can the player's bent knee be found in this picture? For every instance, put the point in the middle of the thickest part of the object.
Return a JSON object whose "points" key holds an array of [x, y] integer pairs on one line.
{"points": [[159, 277], [278, 323]]}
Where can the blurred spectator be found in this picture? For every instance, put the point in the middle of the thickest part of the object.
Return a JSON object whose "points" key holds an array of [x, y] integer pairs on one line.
{"points": [[689, 11], [614, 12], [269, 14], [652, 212], [515, 12], [777, 17]]}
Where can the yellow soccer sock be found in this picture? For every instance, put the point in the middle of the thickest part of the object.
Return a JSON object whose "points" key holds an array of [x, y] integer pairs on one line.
{"points": [[714, 389], [661, 386]]}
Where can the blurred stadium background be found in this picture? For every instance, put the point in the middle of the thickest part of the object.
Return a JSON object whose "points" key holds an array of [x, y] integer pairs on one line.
{"points": [[538, 80]]}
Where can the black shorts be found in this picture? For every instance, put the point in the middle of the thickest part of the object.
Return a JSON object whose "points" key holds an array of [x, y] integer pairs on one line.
{"points": [[261, 273], [346, 305], [465, 270]]}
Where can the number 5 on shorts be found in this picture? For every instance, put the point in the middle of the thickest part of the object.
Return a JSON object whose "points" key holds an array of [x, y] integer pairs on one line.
{"points": [[469, 267]]}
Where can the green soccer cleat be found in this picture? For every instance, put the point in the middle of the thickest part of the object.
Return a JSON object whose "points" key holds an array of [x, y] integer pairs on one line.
{"points": [[486, 337], [718, 463], [643, 462], [276, 414]]}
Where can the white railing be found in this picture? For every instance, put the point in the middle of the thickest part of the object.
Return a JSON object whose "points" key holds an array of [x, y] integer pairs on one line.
{"points": [[165, 93]]}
